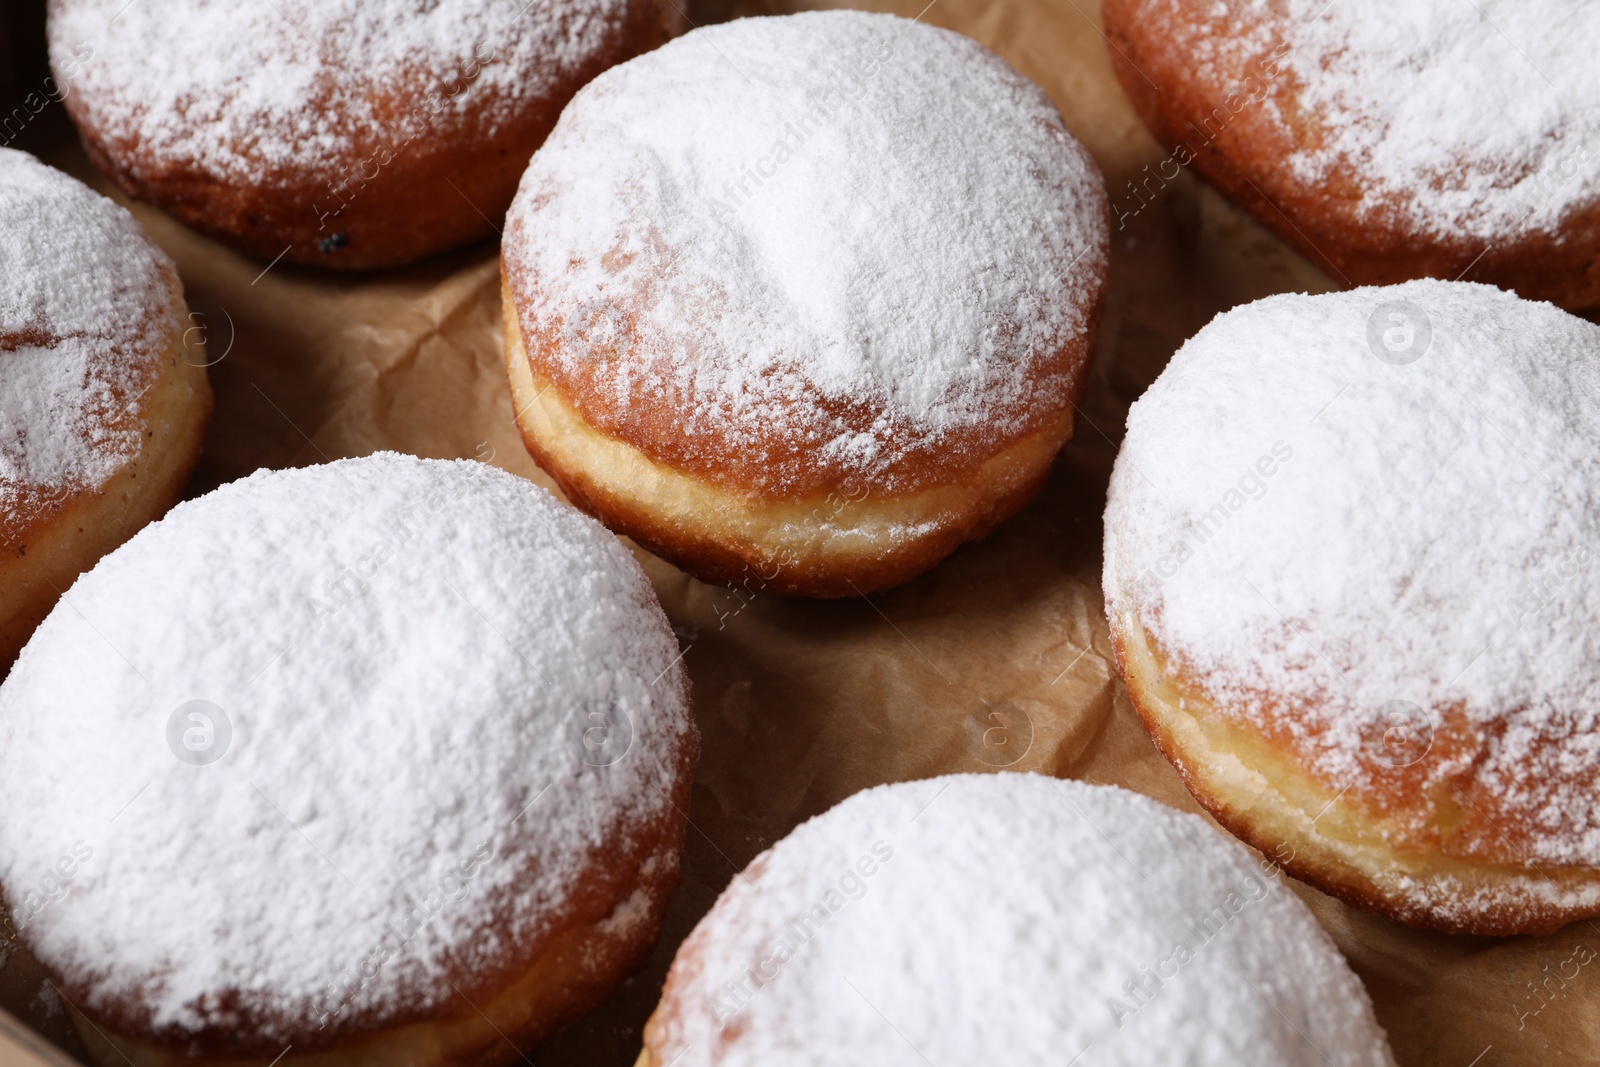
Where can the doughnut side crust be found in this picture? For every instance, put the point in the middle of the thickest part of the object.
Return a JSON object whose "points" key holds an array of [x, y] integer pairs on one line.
{"points": [[827, 543], [389, 197], [1361, 856], [51, 540], [294, 217], [1224, 127]]}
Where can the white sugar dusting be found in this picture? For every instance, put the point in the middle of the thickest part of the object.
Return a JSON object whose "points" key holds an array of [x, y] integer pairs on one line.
{"points": [[1011, 918], [1300, 522], [861, 236], [83, 295], [1478, 118], [445, 696], [251, 90]]}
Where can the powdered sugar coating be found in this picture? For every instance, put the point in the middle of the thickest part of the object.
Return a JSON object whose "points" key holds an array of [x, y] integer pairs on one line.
{"points": [[1010, 918], [1477, 118], [260, 91], [85, 316], [824, 246], [1311, 532], [412, 659]]}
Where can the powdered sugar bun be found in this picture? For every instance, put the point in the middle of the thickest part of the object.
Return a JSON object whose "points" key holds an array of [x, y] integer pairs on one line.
{"points": [[103, 400], [1386, 140], [1009, 918], [347, 133], [381, 760], [1350, 578], [804, 301]]}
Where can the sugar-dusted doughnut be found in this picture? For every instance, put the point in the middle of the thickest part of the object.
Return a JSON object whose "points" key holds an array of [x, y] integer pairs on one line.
{"points": [[373, 762], [346, 133], [103, 395], [1010, 918], [1350, 574], [1386, 141], [803, 303]]}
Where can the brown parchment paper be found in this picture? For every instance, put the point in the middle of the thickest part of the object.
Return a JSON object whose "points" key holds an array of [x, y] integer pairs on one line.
{"points": [[997, 659]]}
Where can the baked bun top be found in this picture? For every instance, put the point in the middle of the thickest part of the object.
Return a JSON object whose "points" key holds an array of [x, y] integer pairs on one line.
{"points": [[260, 92], [87, 313], [1455, 120], [1363, 525], [823, 250], [327, 749], [943, 920]]}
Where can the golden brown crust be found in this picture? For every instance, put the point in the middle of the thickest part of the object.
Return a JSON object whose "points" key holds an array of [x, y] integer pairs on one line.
{"points": [[52, 537], [828, 543], [1242, 154], [444, 189], [1383, 849], [715, 454]]}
